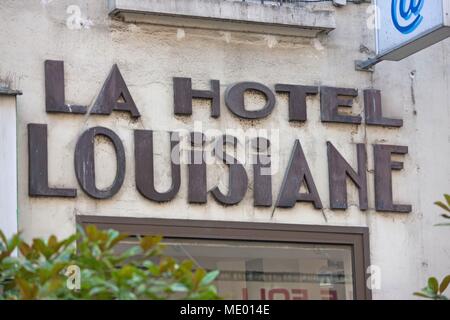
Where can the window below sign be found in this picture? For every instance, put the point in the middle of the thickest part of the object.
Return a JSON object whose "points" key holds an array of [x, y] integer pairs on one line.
{"points": [[272, 271], [260, 261]]}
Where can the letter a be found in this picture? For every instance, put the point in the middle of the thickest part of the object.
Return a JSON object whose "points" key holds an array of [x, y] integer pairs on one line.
{"points": [[297, 174], [115, 96]]}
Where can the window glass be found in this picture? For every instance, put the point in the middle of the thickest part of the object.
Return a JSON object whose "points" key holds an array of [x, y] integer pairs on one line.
{"points": [[272, 271]]}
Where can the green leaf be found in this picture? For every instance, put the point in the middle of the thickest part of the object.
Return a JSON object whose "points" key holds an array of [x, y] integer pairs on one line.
{"points": [[118, 237], [442, 206], [204, 295], [423, 295], [28, 291], [198, 276], [447, 198], [92, 233], [129, 253], [148, 243], [40, 246], [97, 290], [81, 231], [13, 243], [53, 242], [127, 295], [29, 266], [67, 242], [179, 287], [444, 284], [442, 225], [167, 264], [433, 284], [186, 265], [127, 271], [152, 268], [25, 249], [209, 277], [3, 237]]}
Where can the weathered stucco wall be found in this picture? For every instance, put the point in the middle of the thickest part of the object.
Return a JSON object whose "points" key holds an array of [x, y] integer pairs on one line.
{"points": [[407, 247]]}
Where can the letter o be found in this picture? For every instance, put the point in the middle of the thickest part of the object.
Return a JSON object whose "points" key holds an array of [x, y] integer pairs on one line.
{"points": [[85, 163], [234, 99]]}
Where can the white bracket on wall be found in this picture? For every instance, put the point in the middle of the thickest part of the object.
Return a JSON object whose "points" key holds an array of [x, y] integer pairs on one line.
{"points": [[8, 161], [367, 65]]}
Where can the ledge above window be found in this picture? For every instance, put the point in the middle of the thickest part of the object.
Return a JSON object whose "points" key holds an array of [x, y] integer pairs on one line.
{"points": [[5, 91], [238, 16]]}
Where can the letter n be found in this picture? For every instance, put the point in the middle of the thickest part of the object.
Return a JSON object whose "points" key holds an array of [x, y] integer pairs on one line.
{"points": [[339, 170]]}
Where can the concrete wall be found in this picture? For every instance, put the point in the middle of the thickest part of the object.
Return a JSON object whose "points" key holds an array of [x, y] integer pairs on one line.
{"points": [[407, 248]]}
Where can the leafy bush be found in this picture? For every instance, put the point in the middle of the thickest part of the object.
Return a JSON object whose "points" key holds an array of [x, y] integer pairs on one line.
{"points": [[434, 290], [446, 207], [48, 269]]}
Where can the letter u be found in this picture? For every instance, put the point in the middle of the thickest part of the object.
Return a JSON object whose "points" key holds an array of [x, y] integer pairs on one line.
{"points": [[145, 176]]}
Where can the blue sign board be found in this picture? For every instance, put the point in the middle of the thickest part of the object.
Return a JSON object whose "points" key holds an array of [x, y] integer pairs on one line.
{"points": [[407, 26]]}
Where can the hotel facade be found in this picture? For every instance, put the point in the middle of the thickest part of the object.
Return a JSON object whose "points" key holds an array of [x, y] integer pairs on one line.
{"points": [[241, 131]]}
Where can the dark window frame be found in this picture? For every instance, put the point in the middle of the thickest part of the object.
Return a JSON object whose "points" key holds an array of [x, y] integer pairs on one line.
{"points": [[356, 237]]}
